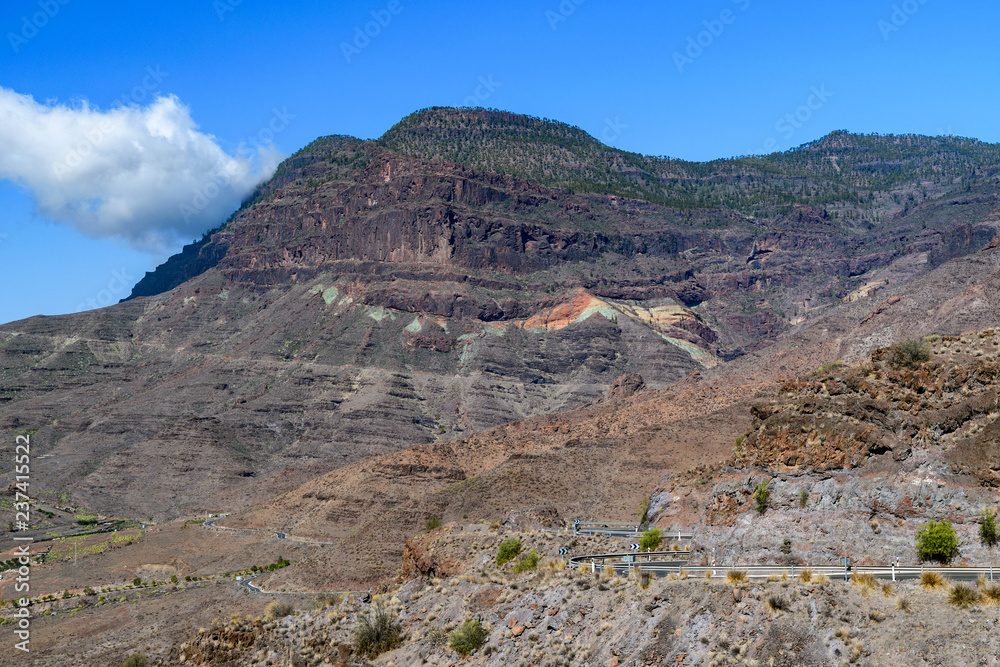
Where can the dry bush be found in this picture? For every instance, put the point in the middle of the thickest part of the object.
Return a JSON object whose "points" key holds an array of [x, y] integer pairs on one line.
{"points": [[275, 610], [645, 579], [876, 615], [608, 571], [866, 582], [931, 580], [806, 576], [843, 634], [856, 648], [887, 591], [962, 595], [903, 604], [776, 603], [378, 631], [737, 577], [991, 594]]}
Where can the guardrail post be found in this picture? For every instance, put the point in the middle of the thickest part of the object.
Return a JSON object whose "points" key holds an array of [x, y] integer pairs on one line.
{"points": [[894, 572], [593, 567]]}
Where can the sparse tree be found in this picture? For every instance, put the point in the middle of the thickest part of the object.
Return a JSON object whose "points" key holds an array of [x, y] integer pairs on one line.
{"points": [[909, 353], [988, 528], [762, 496], [937, 541]]}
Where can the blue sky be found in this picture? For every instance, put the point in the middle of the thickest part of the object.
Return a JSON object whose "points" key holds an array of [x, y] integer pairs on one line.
{"points": [[690, 80]]}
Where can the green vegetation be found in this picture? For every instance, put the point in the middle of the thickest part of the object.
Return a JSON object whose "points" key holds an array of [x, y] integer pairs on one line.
{"points": [[276, 565], [988, 528], [937, 541], [275, 610], [469, 638], [137, 582], [527, 562], [508, 550], [136, 660], [173, 578], [761, 496], [644, 510], [909, 353], [786, 546], [650, 539], [431, 523], [378, 631], [803, 498]]}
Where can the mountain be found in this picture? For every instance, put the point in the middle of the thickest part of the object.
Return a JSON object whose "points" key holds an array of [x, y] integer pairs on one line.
{"points": [[467, 269]]}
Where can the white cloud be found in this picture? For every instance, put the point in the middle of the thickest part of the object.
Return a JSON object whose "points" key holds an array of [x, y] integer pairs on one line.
{"points": [[142, 174]]}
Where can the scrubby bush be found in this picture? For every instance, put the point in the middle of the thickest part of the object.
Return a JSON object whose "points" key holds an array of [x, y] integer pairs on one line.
{"points": [[803, 498], [137, 582], [761, 497], [469, 638], [737, 577], [431, 523], [173, 578], [937, 541], [136, 660], [527, 562], [961, 595], [650, 540], [644, 510], [931, 580], [508, 550], [275, 610], [378, 631], [89, 591], [909, 353], [988, 528]]}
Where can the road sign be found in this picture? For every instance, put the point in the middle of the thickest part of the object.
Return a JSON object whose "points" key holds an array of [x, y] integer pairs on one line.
{"points": [[563, 551], [628, 559], [634, 547]]}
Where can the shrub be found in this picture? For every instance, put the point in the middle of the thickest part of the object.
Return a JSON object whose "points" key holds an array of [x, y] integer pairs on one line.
{"points": [[937, 541], [275, 610], [737, 577], [776, 603], [527, 562], [89, 591], [991, 594], [431, 523], [378, 631], [136, 660], [961, 595], [650, 540], [173, 578], [137, 582], [988, 528], [508, 550], [931, 580], [786, 546], [806, 575], [803, 498], [866, 582], [761, 497], [437, 636], [909, 353], [644, 510], [469, 638]]}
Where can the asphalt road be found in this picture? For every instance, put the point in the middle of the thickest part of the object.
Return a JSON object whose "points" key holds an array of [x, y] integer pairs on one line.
{"points": [[662, 568], [210, 523]]}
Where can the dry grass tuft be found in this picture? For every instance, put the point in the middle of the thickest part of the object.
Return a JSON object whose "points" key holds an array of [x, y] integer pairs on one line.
{"points": [[737, 577], [962, 595], [990, 594], [931, 580], [776, 603], [806, 576], [903, 604], [866, 582]]}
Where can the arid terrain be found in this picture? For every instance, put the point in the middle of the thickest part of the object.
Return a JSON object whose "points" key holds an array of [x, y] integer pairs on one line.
{"points": [[396, 333]]}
